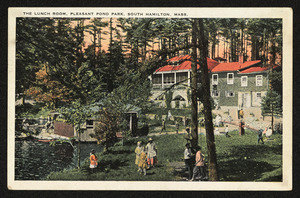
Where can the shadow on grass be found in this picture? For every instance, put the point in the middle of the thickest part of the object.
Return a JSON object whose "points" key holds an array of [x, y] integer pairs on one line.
{"points": [[150, 173], [121, 152], [245, 163], [112, 164], [243, 170], [251, 151]]}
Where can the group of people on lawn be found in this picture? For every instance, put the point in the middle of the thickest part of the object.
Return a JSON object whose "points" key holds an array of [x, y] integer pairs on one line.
{"points": [[146, 157], [194, 163]]}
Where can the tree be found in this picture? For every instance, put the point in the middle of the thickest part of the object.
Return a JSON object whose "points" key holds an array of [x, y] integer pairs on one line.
{"points": [[169, 97], [107, 127], [31, 54], [210, 139], [48, 91], [194, 123], [272, 103], [77, 114], [133, 92]]}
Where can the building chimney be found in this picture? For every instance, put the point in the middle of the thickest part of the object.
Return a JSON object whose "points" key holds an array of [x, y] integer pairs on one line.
{"points": [[241, 58]]}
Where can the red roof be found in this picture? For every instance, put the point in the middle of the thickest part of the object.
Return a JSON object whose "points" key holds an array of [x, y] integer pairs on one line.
{"points": [[178, 58], [256, 69], [185, 65], [233, 66], [213, 66]]}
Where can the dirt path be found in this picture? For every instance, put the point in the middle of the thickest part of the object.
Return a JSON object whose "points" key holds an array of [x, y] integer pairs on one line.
{"points": [[201, 130]]}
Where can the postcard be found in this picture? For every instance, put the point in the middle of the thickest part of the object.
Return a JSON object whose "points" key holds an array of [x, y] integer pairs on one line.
{"points": [[171, 99]]}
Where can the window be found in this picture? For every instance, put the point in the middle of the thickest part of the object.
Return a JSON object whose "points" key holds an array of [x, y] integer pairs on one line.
{"points": [[259, 80], [156, 79], [244, 81], [168, 78], [258, 97], [229, 93], [230, 78], [215, 93], [89, 124], [180, 77], [214, 79]]}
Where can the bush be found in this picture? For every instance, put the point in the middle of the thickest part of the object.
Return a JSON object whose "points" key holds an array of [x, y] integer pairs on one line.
{"points": [[31, 111]]}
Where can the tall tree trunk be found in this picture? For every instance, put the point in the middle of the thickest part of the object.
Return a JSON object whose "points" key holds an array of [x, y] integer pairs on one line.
{"points": [[94, 50], [246, 46], [109, 80], [78, 149], [210, 138], [231, 46], [272, 63], [194, 124], [218, 41], [253, 48], [99, 47]]}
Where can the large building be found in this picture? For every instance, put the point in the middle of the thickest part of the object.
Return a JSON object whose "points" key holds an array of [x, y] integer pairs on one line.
{"points": [[234, 85]]}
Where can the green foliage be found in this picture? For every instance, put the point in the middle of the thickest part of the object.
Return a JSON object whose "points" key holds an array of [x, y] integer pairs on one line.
{"points": [[60, 141], [175, 112], [77, 114], [271, 102], [132, 94], [32, 111], [107, 127], [169, 97]]}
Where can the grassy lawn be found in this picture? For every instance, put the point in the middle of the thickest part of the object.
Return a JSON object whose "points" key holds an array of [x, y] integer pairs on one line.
{"points": [[240, 158]]}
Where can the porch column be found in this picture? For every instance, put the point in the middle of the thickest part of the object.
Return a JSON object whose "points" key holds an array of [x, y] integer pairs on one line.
{"points": [[130, 123], [174, 77], [189, 78], [162, 80]]}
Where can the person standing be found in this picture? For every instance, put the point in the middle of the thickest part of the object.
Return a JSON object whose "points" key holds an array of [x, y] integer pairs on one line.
{"points": [[138, 151], [199, 165], [241, 114], [169, 115], [260, 136], [218, 120], [188, 136], [177, 126], [142, 162], [269, 132], [151, 153], [226, 131], [93, 160], [163, 127], [188, 160]]}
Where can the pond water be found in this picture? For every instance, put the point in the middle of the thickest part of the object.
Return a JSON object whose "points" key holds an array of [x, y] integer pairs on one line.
{"points": [[35, 160]]}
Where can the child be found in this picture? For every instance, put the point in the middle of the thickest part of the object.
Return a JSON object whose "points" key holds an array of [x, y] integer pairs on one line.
{"points": [[260, 136], [143, 162], [93, 160], [137, 151], [163, 127], [226, 131]]}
